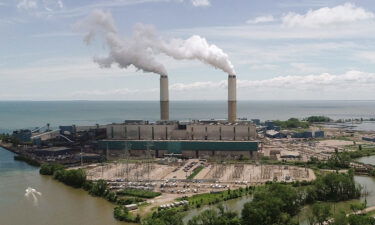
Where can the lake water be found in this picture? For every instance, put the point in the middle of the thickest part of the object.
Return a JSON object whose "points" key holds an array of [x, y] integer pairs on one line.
{"points": [[19, 114]]}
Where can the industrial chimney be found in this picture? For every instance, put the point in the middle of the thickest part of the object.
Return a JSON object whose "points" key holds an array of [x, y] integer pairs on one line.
{"points": [[232, 99], [164, 98]]}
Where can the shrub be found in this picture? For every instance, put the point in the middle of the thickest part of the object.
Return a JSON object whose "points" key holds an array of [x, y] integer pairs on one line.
{"points": [[122, 213], [49, 169], [139, 193]]}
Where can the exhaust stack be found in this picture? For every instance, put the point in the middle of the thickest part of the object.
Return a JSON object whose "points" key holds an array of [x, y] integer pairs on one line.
{"points": [[232, 98], [164, 98]]}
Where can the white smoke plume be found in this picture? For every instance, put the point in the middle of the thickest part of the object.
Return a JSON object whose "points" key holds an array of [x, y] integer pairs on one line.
{"points": [[198, 48], [142, 47], [123, 52]]}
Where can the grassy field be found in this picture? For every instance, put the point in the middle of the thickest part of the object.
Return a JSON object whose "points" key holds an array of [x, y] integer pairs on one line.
{"points": [[195, 172], [216, 197], [138, 193]]}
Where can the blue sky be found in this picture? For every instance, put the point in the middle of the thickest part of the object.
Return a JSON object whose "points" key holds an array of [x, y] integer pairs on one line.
{"points": [[280, 49]]}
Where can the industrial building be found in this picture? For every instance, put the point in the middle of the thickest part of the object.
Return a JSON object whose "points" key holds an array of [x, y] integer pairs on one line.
{"points": [[183, 148], [173, 130], [53, 151], [187, 139]]}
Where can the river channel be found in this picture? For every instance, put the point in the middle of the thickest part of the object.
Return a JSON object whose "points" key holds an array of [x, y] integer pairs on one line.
{"points": [[58, 204]]}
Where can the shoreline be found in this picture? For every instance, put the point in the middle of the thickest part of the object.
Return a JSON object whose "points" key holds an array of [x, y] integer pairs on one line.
{"points": [[20, 156], [8, 147]]}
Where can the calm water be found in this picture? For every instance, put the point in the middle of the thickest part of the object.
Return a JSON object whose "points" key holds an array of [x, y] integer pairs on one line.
{"points": [[367, 160], [18, 114], [58, 205]]}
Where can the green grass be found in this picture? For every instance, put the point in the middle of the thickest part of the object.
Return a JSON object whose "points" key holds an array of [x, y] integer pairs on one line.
{"points": [[213, 198], [138, 193], [195, 172]]}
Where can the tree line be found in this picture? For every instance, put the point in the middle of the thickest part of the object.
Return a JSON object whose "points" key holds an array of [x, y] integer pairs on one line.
{"points": [[272, 204]]}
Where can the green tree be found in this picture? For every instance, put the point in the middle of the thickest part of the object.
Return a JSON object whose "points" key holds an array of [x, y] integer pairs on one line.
{"points": [[320, 213], [336, 187], [215, 217], [99, 188], [164, 217], [264, 212], [318, 119], [272, 204], [357, 207], [340, 219], [361, 220]]}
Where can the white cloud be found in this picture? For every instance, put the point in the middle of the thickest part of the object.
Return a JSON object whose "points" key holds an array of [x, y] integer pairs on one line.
{"points": [[358, 83], [52, 5], [348, 80], [41, 8], [340, 14], [198, 85], [274, 31], [306, 68], [263, 66], [369, 56], [200, 3], [261, 19], [27, 4]]}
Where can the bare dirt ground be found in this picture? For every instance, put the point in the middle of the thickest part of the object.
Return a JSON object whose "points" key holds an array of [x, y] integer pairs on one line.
{"points": [[333, 143], [172, 183], [223, 173], [321, 149]]}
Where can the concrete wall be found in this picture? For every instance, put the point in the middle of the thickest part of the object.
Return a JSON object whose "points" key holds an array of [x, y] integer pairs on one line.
{"points": [[198, 131], [160, 132], [146, 132], [213, 132], [179, 135], [87, 128], [227, 133], [253, 132], [132, 132], [192, 132], [242, 133]]}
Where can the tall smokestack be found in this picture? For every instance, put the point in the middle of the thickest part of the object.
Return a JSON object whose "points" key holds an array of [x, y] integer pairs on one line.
{"points": [[164, 98], [232, 99]]}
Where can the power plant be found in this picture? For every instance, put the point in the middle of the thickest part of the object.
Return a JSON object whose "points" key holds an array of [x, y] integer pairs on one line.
{"points": [[197, 138], [232, 98], [189, 139], [164, 98]]}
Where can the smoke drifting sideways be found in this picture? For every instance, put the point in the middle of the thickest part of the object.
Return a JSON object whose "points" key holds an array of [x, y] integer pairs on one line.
{"points": [[143, 46], [123, 52]]}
